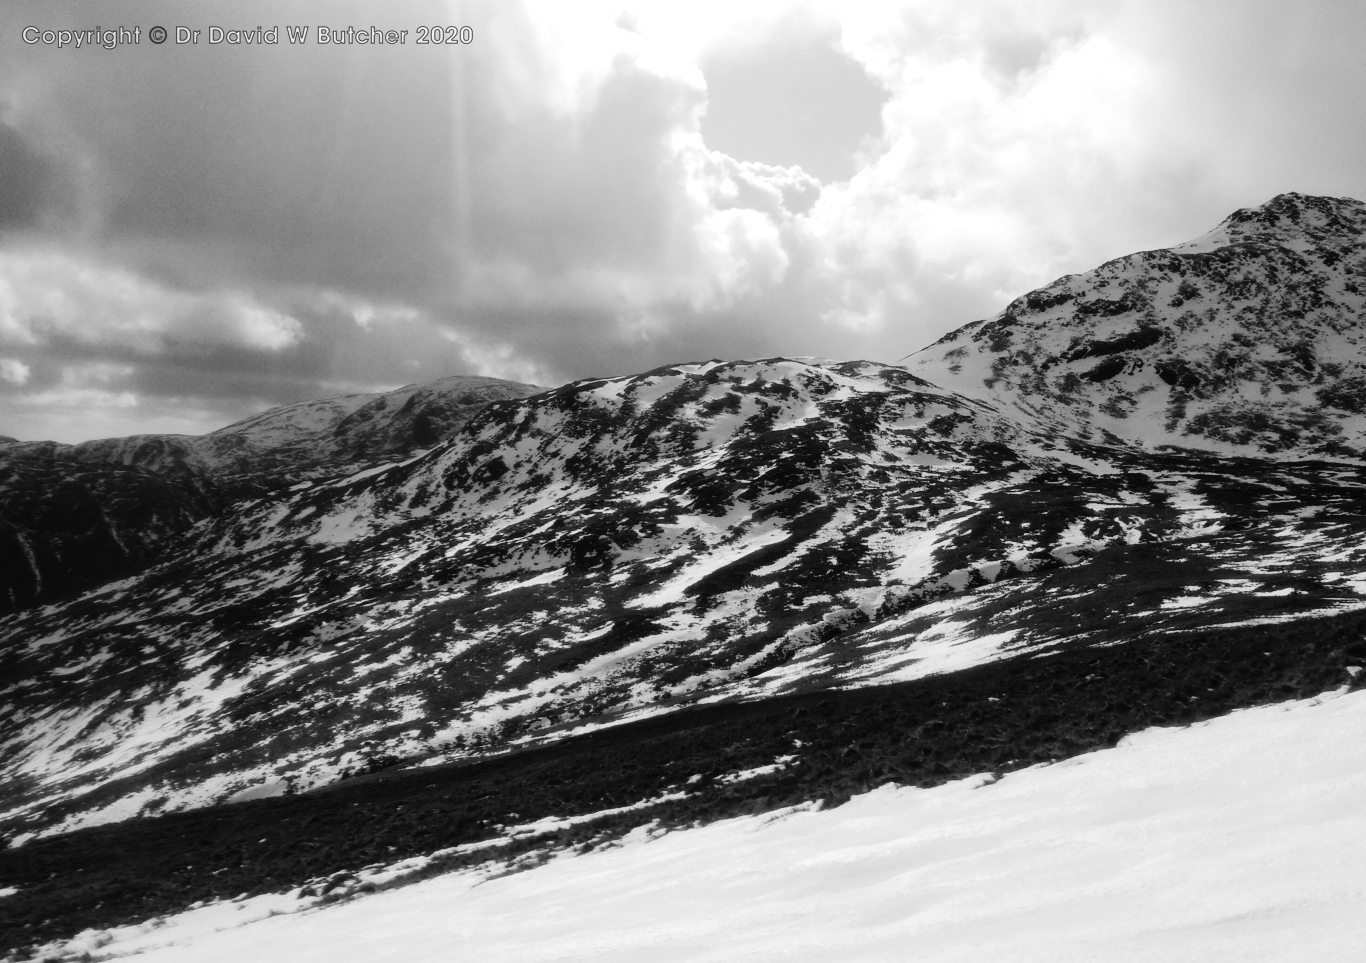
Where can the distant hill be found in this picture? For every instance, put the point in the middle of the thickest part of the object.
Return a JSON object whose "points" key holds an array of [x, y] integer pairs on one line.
{"points": [[75, 516]]}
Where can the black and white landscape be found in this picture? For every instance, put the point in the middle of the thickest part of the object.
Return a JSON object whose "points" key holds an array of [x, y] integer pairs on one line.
{"points": [[527, 537], [710, 589]]}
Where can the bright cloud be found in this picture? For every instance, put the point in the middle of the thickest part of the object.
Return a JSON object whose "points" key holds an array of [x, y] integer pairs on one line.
{"points": [[54, 296], [13, 371]]}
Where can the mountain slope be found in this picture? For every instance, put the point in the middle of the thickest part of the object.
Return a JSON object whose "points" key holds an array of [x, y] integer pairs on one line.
{"points": [[512, 811], [1249, 340], [586, 543], [629, 546], [76, 516], [311, 439], [67, 524], [1234, 839]]}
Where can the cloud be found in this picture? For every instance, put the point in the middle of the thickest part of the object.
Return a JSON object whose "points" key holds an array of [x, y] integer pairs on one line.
{"points": [[1023, 141], [54, 298], [26, 182], [239, 227], [793, 99], [14, 371]]}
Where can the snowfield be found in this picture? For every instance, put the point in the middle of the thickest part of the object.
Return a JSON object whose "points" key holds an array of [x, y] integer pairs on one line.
{"points": [[1238, 839]]}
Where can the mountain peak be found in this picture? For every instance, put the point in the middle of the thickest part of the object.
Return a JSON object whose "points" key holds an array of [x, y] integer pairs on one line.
{"points": [[1299, 212], [1286, 218], [1247, 340]]}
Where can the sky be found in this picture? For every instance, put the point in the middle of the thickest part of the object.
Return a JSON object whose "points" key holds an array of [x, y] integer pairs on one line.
{"points": [[193, 232]]}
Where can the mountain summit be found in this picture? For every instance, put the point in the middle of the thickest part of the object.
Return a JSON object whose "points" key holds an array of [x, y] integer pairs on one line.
{"points": [[1247, 340]]}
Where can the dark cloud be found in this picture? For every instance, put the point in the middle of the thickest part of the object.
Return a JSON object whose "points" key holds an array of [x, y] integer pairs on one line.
{"points": [[562, 192], [437, 179], [27, 182], [795, 100], [293, 166]]}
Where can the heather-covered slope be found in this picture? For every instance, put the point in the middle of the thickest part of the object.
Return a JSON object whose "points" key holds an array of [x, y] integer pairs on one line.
{"points": [[1249, 340]]}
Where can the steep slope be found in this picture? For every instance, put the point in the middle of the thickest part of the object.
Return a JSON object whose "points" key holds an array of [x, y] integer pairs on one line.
{"points": [[76, 516], [1248, 340], [513, 811]]}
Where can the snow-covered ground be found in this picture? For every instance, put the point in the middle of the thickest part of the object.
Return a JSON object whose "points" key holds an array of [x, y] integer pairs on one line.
{"points": [[1238, 839]]}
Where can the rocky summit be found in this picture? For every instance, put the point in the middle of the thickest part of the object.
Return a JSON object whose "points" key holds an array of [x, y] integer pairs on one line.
{"points": [[1137, 495], [1249, 340]]}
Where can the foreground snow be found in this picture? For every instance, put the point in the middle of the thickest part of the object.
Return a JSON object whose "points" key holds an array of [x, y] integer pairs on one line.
{"points": [[1239, 839]]}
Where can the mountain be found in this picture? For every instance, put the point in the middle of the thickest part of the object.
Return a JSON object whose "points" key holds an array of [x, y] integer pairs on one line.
{"points": [[313, 439], [68, 524], [624, 547], [719, 587], [76, 516], [1248, 340], [582, 551]]}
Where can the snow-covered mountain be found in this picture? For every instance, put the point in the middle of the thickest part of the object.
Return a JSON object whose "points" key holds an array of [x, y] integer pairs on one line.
{"points": [[583, 551], [75, 516], [1249, 340], [311, 439], [624, 547], [792, 574]]}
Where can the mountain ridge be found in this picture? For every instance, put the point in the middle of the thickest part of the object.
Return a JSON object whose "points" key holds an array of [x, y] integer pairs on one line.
{"points": [[75, 516]]}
